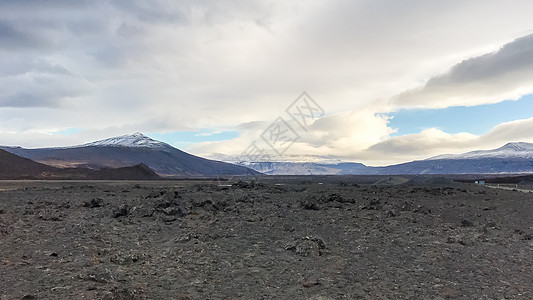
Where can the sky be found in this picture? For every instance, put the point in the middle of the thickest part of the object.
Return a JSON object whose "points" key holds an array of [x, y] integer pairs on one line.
{"points": [[395, 80]]}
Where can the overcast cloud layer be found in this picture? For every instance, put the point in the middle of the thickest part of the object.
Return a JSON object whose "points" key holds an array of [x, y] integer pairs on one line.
{"points": [[116, 67]]}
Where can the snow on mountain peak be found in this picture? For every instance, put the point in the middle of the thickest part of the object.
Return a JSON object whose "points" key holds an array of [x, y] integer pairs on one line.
{"points": [[135, 140], [519, 146], [509, 150]]}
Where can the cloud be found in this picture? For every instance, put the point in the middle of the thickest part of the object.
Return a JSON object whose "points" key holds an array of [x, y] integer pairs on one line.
{"points": [[427, 143], [30, 100], [153, 11], [114, 67], [494, 77], [339, 135], [34, 84], [16, 131], [514, 131], [14, 39]]}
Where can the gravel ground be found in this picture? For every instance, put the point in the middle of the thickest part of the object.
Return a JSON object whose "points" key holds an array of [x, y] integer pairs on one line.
{"points": [[265, 239]]}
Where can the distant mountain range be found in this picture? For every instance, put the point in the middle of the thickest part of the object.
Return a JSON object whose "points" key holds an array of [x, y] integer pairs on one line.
{"points": [[130, 150], [511, 158], [306, 168], [145, 154]]}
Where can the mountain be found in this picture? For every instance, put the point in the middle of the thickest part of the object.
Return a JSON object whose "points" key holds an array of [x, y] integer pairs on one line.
{"points": [[136, 140], [137, 172], [305, 168], [509, 151], [129, 150], [16, 167], [511, 158], [295, 165], [165, 160]]}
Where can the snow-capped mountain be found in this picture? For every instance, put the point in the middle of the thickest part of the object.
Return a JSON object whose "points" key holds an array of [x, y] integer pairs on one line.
{"points": [[510, 150], [136, 140], [129, 150], [238, 159], [294, 165], [302, 168], [511, 158]]}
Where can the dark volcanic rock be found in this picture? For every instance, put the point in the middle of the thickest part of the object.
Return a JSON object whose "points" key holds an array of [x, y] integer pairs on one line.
{"points": [[175, 211], [308, 246], [96, 202], [466, 223], [397, 242], [372, 204], [121, 211], [307, 283], [310, 204]]}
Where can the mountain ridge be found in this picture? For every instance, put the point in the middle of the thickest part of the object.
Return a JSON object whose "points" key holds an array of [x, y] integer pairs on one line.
{"points": [[512, 158], [167, 161], [509, 150]]}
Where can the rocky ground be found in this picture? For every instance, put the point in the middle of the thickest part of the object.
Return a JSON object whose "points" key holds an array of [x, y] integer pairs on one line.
{"points": [[264, 239]]}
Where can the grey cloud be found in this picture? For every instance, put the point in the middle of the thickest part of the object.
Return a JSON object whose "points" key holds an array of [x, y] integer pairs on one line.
{"points": [[208, 63], [14, 39], [110, 56], [49, 25], [85, 26], [419, 144], [44, 3], [180, 12], [41, 84], [22, 65], [25, 99], [129, 31], [43, 91], [47, 67], [152, 11], [478, 80], [511, 58]]}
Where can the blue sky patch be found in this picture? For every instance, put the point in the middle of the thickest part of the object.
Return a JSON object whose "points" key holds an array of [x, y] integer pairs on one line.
{"points": [[67, 132], [183, 139], [472, 119]]}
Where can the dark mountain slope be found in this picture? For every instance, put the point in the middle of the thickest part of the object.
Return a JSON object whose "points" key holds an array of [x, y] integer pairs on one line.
{"points": [[131, 150], [16, 167]]}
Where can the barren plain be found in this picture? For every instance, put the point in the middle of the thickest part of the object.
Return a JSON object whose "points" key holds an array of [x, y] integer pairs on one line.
{"points": [[264, 238]]}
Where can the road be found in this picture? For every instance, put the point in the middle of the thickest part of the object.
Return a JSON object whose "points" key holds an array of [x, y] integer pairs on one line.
{"points": [[509, 188]]}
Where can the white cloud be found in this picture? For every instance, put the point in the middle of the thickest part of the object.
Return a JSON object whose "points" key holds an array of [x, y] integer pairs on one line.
{"points": [[339, 135]]}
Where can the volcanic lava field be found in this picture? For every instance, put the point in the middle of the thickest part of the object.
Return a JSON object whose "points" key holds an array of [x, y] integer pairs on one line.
{"points": [[264, 238]]}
